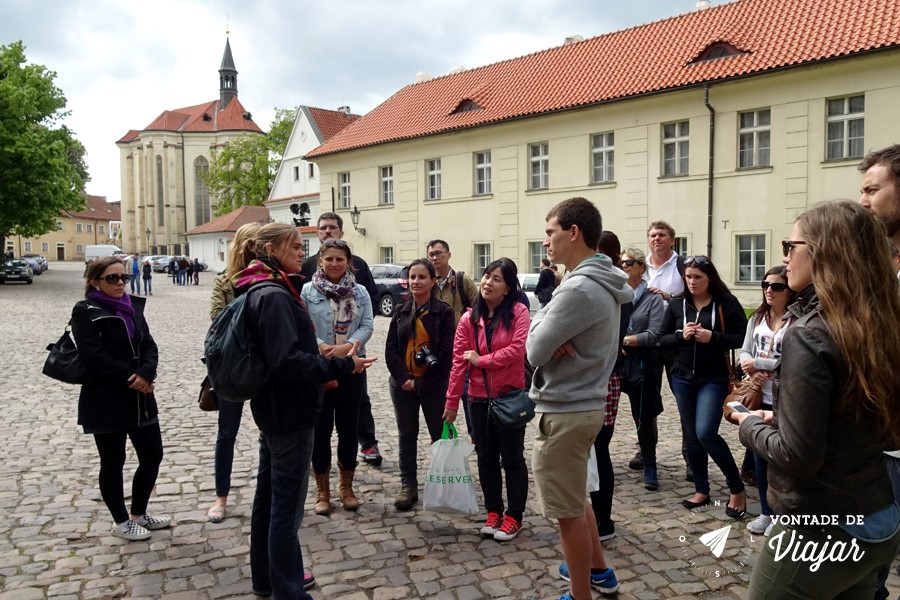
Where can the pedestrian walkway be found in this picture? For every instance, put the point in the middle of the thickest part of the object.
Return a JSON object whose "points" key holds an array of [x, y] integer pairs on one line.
{"points": [[54, 528]]}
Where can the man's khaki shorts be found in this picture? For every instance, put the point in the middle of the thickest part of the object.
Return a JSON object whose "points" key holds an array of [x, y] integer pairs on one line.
{"points": [[562, 442]]}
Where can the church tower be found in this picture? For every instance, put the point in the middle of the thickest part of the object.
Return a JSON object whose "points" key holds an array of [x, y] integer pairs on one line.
{"points": [[227, 78]]}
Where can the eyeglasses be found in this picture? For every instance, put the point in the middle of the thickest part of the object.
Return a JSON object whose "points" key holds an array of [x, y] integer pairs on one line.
{"points": [[332, 242], [328, 228], [630, 262], [788, 245], [776, 286], [436, 254], [114, 279], [696, 260]]}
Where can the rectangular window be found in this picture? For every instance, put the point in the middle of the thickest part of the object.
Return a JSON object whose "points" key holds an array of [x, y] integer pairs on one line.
{"points": [[296, 173], [846, 127], [482, 257], [681, 245], [433, 179], [751, 257], [387, 185], [482, 173], [676, 148], [754, 138], [312, 171], [603, 157], [79, 249], [536, 252], [78, 228], [45, 247], [101, 229], [306, 246], [27, 246], [539, 169], [60, 225], [90, 228], [387, 254], [345, 190]]}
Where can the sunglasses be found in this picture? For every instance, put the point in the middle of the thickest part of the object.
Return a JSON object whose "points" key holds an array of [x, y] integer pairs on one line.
{"points": [[776, 286], [696, 260], [338, 243], [114, 279], [788, 245], [630, 262]]}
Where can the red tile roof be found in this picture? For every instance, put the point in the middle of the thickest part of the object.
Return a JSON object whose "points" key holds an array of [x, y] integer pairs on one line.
{"points": [[330, 122], [233, 220], [191, 119], [96, 208], [650, 58]]}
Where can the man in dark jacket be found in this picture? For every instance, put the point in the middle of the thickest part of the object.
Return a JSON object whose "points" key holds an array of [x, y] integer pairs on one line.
{"points": [[546, 283]]}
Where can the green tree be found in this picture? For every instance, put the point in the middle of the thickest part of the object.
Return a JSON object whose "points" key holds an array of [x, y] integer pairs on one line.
{"points": [[243, 172], [42, 168]]}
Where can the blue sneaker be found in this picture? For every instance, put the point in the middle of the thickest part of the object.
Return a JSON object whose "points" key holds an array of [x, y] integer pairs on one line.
{"points": [[605, 582]]}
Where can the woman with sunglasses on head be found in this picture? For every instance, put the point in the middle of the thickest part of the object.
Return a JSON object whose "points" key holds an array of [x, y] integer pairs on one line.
{"points": [[341, 311], [116, 347], [835, 412], [490, 347], [759, 355], [702, 326], [419, 353]]}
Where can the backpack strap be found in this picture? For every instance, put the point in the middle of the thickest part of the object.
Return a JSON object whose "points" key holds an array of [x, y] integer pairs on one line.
{"points": [[460, 287]]}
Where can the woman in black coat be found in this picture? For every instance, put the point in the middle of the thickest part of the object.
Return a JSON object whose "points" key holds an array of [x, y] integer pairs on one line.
{"points": [[116, 347]]}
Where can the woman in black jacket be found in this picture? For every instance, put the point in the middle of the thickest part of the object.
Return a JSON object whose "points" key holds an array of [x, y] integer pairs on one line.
{"points": [[419, 353], [702, 325], [116, 347]]}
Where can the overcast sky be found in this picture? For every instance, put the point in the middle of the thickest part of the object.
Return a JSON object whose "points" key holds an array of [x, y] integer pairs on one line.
{"points": [[121, 63]]}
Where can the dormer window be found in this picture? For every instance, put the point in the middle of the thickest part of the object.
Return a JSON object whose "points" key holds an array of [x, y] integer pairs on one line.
{"points": [[717, 50], [466, 105], [206, 117]]}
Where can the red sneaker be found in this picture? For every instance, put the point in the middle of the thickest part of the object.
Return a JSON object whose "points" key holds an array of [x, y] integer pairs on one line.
{"points": [[508, 529], [491, 525]]}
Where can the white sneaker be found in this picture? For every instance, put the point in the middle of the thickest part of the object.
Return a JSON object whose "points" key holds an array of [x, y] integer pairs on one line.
{"points": [[760, 524], [153, 523], [131, 531], [769, 528]]}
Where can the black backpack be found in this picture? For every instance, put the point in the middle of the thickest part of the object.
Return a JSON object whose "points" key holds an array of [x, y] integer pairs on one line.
{"points": [[237, 368]]}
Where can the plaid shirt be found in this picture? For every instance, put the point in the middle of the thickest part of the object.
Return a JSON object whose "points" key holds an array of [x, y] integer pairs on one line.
{"points": [[612, 398]]}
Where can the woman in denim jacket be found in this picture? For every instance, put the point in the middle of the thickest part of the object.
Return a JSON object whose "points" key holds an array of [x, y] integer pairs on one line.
{"points": [[342, 314]]}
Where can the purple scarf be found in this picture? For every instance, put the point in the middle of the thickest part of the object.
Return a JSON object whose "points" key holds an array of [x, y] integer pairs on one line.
{"points": [[119, 307]]}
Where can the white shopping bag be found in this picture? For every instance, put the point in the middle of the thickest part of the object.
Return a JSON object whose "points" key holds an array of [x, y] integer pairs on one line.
{"points": [[593, 475], [449, 486]]}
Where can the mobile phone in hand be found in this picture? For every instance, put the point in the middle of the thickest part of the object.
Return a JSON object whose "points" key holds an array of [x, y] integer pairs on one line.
{"points": [[738, 407]]}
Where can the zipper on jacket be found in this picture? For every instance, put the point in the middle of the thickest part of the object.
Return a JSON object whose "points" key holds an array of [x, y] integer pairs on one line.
{"points": [[133, 355]]}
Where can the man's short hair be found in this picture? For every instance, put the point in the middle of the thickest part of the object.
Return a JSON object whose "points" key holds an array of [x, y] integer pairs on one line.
{"points": [[661, 225], [545, 262], [433, 243], [889, 157], [581, 212], [330, 215]]}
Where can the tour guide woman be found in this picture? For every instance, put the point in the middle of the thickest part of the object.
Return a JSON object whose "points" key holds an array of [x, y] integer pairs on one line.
{"points": [[421, 332], [836, 407], [116, 347], [494, 358], [286, 408]]}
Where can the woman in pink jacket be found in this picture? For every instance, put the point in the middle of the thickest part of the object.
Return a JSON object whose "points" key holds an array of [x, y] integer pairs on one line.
{"points": [[489, 347]]}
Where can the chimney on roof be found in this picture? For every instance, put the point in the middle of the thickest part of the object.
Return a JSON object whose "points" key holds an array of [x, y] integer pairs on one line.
{"points": [[573, 39], [422, 77], [456, 70], [227, 78], [344, 109], [701, 5]]}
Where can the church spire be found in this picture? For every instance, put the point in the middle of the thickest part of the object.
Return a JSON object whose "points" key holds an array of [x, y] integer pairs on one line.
{"points": [[227, 78]]}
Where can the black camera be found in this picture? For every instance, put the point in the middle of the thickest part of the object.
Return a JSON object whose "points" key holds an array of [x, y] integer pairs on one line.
{"points": [[424, 356]]}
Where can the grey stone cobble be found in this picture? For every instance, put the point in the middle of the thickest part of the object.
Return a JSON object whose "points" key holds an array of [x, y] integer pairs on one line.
{"points": [[54, 529]]}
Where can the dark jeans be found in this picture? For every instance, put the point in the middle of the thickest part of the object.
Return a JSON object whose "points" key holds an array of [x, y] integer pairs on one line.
{"points": [[135, 282], [666, 360], [646, 405], [893, 470], [340, 409], [492, 444], [147, 442], [700, 406], [148, 288], [406, 412], [601, 500], [276, 561], [365, 428], [229, 424], [762, 484]]}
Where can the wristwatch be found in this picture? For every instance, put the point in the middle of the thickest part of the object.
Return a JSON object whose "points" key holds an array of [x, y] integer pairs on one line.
{"points": [[625, 341]]}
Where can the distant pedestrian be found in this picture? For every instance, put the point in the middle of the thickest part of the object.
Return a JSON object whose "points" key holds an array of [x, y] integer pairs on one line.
{"points": [[133, 266], [147, 276], [173, 269], [195, 268]]}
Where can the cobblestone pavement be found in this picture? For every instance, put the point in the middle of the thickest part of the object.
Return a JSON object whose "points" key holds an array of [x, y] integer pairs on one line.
{"points": [[54, 528]]}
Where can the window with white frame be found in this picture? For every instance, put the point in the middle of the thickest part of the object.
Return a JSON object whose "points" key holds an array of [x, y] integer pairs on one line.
{"points": [[482, 255], [90, 228], [306, 246], [387, 185], [754, 138], [846, 127], [296, 173], [536, 252], [680, 246], [676, 148], [539, 166], [27, 246], [603, 157], [344, 195], [45, 247], [79, 228], [433, 179], [751, 257], [79, 249], [60, 225], [483, 172], [387, 254], [101, 229]]}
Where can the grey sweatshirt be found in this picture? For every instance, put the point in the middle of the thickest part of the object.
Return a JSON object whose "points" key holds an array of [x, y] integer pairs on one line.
{"points": [[584, 312]]}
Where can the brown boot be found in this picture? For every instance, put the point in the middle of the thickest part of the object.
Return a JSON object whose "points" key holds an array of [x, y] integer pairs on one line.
{"points": [[348, 498], [323, 493]]}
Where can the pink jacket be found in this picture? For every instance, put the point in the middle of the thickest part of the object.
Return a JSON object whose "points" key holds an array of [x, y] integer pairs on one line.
{"points": [[505, 366]]}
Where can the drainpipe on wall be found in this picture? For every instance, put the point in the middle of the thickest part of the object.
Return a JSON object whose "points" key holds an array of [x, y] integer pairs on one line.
{"points": [[184, 192], [712, 161]]}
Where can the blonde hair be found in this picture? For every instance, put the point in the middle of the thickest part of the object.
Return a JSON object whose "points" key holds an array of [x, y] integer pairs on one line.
{"points": [[635, 253], [850, 267], [243, 248], [279, 235]]}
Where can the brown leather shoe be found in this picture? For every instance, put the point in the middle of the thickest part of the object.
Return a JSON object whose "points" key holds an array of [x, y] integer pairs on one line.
{"points": [[323, 493], [407, 498], [345, 489]]}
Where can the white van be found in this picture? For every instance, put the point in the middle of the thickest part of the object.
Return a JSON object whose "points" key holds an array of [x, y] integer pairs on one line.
{"points": [[95, 251]]}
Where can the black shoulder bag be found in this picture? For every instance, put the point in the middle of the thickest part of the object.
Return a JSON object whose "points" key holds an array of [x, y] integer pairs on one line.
{"points": [[511, 410], [63, 363]]}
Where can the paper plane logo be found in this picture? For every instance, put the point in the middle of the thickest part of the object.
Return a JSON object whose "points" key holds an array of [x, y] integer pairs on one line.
{"points": [[715, 540]]}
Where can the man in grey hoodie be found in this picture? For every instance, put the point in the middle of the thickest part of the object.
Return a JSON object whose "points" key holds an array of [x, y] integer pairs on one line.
{"points": [[573, 343]]}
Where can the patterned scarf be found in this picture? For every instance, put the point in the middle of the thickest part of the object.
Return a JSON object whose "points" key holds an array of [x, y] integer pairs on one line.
{"points": [[343, 302], [267, 270], [120, 307]]}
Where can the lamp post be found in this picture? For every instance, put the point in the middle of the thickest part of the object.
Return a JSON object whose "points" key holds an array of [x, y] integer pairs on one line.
{"points": [[148, 232], [354, 218]]}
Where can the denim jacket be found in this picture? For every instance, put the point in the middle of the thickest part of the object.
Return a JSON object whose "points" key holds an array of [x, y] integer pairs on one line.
{"points": [[320, 312]]}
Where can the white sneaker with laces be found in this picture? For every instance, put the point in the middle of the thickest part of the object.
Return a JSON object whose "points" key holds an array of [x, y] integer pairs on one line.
{"points": [[153, 523], [131, 531], [760, 524], [769, 528]]}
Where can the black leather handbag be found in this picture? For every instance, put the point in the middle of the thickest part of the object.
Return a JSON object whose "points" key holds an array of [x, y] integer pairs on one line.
{"points": [[511, 410], [64, 363]]}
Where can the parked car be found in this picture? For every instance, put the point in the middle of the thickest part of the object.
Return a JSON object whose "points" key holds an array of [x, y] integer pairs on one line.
{"points": [[160, 264], [528, 281], [44, 263], [16, 270], [35, 263], [393, 287]]}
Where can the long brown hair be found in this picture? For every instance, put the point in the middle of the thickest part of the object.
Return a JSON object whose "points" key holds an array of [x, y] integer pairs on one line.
{"points": [[850, 266], [764, 310], [96, 268]]}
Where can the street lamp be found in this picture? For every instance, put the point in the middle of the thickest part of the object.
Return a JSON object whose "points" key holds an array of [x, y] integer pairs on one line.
{"points": [[354, 218], [148, 232]]}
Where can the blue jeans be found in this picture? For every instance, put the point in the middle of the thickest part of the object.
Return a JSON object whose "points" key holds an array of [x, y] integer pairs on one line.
{"points": [[135, 282], [148, 288], [762, 483], [229, 424], [276, 561], [892, 465], [700, 406]]}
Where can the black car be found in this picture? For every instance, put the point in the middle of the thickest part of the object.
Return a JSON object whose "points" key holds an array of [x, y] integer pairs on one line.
{"points": [[16, 270], [393, 287]]}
